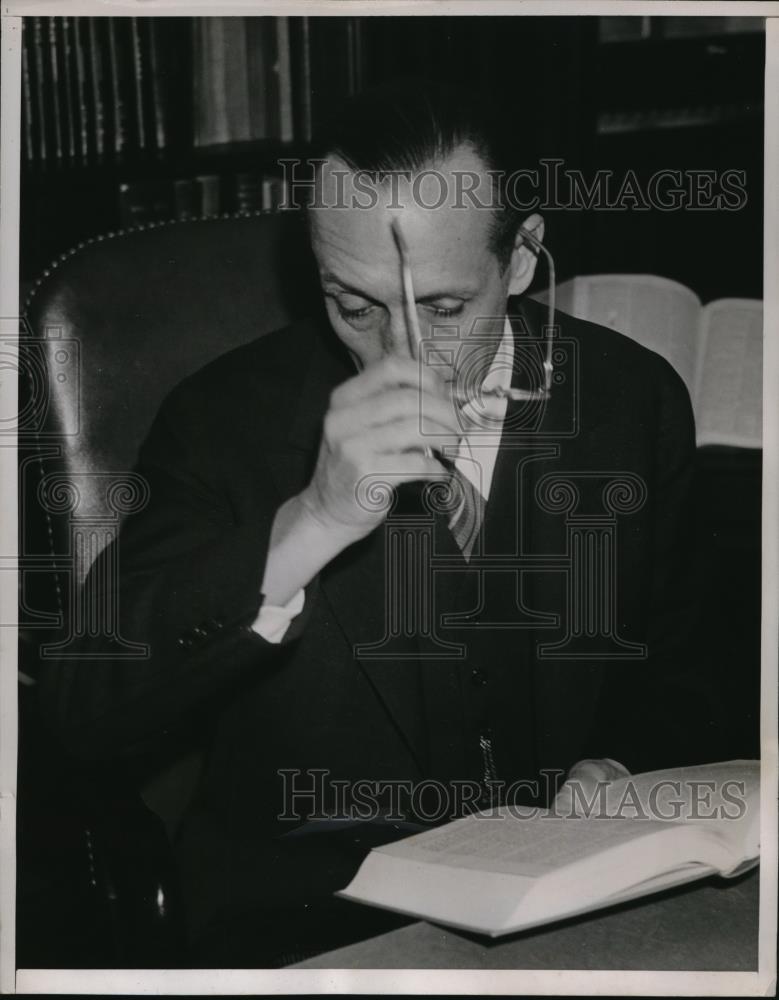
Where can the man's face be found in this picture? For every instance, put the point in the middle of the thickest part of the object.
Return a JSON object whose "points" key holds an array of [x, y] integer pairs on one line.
{"points": [[457, 277]]}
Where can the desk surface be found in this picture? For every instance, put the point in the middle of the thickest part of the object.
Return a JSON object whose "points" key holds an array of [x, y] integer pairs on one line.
{"points": [[708, 926]]}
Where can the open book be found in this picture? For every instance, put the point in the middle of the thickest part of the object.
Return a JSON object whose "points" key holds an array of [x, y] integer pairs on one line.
{"points": [[510, 868], [717, 349]]}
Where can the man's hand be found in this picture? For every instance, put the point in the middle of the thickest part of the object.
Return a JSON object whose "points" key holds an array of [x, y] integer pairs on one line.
{"points": [[373, 432], [582, 782]]}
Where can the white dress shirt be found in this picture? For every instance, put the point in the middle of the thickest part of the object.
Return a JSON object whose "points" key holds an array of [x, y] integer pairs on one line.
{"points": [[476, 455]]}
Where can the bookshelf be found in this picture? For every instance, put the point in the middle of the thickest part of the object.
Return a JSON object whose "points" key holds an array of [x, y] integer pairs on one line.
{"points": [[130, 120]]}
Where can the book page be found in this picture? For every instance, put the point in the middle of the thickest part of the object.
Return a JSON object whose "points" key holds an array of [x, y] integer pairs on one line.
{"points": [[656, 312], [722, 798], [729, 380], [719, 797], [530, 847], [731, 785]]}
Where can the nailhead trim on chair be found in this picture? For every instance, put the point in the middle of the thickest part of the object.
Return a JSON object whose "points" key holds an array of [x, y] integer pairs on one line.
{"points": [[141, 227]]}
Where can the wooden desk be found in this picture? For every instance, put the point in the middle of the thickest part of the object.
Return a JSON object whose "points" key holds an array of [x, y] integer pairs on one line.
{"points": [[708, 926]]}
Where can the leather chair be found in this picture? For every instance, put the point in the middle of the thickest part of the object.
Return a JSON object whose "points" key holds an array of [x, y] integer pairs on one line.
{"points": [[110, 329]]}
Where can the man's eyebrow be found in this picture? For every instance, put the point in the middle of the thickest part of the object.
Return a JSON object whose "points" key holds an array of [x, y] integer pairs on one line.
{"points": [[333, 279], [448, 293], [445, 293]]}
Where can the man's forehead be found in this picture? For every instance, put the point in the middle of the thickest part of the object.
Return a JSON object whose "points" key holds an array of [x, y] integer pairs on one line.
{"points": [[442, 238], [461, 161]]}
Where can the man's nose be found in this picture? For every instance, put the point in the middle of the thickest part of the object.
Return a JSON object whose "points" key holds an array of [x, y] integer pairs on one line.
{"points": [[397, 336]]}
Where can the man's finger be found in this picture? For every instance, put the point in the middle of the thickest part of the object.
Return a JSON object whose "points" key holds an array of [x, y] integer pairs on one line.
{"points": [[579, 792], [397, 438], [409, 467], [389, 373], [432, 413]]}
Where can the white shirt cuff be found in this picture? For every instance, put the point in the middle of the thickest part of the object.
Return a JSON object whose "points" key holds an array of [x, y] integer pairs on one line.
{"points": [[273, 621]]}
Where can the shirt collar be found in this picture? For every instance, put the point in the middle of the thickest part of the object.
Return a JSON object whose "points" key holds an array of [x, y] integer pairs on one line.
{"points": [[487, 415]]}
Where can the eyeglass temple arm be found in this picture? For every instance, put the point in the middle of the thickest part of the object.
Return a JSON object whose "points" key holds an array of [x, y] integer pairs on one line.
{"points": [[539, 246]]}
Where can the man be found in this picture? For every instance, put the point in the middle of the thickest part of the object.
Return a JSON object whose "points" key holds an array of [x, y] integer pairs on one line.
{"points": [[277, 594]]}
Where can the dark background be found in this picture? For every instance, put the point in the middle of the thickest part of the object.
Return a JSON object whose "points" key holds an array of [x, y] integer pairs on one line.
{"points": [[601, 93]]}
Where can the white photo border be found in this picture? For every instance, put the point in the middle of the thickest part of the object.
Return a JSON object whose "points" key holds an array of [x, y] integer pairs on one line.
{"points": [[407, 981]]}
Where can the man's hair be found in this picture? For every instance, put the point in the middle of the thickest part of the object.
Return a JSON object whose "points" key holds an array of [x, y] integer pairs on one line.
{"points": [[410, 124]]}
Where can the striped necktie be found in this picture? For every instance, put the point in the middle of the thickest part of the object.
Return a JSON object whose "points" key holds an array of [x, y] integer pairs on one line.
{"points": [[467, 505]]}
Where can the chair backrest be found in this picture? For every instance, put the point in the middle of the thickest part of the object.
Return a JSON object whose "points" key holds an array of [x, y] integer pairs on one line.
{"points": [[123, 318], [112, 327]]}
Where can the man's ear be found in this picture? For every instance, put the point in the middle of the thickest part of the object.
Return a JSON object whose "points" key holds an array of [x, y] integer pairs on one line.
{"points": [[524, 257]]}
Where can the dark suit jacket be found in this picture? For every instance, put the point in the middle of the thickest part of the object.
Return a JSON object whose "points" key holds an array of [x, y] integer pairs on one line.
{"points": [[236, 439]]}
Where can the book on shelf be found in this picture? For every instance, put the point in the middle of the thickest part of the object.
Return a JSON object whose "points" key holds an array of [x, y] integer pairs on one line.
{"points": [[221, 82], [55, 92], [273, 193], [210, 194], [283, 69], [115, 103], [209, 94], [716, 348], [121, 72], [158, 119], [258, 71], [234, 78], [97, 87], [81, 85], [160, 88], [507, 869], [247, 192], [269, 80], [40, 89], [268, 41], [186, 201], [138, 79], [66, 57], [300, 29]]}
